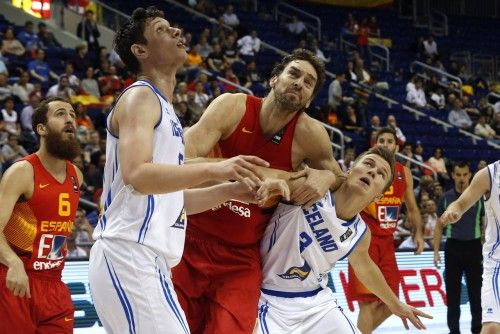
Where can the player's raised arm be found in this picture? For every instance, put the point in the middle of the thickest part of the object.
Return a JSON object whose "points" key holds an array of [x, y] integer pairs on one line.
{"points": [[479, 186], [16, 182]]}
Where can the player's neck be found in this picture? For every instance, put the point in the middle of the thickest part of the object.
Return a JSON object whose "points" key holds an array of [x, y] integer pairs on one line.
{"points": [[345, 206], [56, 166], [165, 82], [272, 117]]}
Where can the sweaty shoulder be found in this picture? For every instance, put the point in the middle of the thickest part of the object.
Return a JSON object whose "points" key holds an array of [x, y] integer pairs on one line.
{"points": [[308, 131], [226, 111], [19, 178], [139, 105]]}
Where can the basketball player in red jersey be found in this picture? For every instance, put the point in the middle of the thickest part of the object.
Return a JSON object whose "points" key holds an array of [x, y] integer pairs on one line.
{"points": [[39, 197], [218, 280], [381, 217]]}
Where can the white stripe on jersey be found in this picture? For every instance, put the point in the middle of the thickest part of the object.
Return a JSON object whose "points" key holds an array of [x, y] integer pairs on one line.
{"points": [[156, 221], [491, 248], [300, 247]]}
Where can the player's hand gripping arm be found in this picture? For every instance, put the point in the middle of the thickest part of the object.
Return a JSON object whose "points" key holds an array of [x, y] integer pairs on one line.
{"points": [[15, 182], [479, 186], [136, 130], [413, 212], [369, 274]]}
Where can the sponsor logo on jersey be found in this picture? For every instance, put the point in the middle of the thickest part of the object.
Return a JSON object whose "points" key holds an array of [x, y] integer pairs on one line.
{"points": [[388, 214], [56, 226], [489, 310], [244, 130], [318, 227], [236, 207], [47, 265], [43, 185], [297, 272], [180, 222], [346, 235]]}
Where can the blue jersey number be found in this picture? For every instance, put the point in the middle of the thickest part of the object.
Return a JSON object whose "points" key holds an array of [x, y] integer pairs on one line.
{"points": [[305, 240]]}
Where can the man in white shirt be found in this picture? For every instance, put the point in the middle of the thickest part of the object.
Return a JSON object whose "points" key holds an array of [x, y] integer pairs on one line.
{"points": [[430, 47], [230, 18], [416, 97], [62, 89], [249, 45], [458, 116], [296, 27]]}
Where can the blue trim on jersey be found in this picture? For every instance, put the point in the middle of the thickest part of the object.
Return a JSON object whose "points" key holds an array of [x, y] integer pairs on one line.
{"points": [[288, 294], [150, 216], [351, 221], [272, 240], [490, 254], [170, 301], [123, 298], [115, 165], [262, 318], [348, 321], [147, 218], [357, 241], [494, 283]]}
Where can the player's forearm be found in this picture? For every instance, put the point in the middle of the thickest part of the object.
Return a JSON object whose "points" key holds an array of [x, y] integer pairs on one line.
{"points": [[7, 256], [371, 277], [149, 178], [416, 220], [438, 233], [199, 200]]}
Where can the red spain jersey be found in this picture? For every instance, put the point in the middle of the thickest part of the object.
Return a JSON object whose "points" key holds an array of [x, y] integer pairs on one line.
{"points": [[234, 222], [382, 216], [38, 228]]}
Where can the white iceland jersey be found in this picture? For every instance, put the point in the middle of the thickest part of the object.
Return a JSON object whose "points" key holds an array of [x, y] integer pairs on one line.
{"points": [[301, 246], [155, 221], [491, 248]]}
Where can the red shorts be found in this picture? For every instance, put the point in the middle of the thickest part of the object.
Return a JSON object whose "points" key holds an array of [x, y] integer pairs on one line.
{"points": [[49, 310], [383, 254], [218, 286]]}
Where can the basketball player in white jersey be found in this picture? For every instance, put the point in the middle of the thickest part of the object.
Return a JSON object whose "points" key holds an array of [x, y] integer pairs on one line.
{"points": [[300, 246], [485, 183], [140, 235]]}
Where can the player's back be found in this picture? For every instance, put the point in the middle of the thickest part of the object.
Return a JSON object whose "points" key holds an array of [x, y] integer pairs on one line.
{"points": [[157, 221], [301, 246], [491, 248]]}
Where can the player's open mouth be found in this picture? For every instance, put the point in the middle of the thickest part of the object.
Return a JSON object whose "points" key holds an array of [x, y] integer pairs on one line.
{"points": [[365, 180], [70, 130]]}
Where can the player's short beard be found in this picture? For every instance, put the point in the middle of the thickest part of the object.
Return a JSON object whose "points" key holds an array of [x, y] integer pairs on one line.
{"points": [[287, 104], [65, 149]]}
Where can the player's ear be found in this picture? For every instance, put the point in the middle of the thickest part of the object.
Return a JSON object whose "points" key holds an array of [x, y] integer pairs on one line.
{"points": [[41, 129], [272, 82], [139, 50]]}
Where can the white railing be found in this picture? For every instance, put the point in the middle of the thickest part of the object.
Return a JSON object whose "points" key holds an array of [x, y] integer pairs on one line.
{"points": [[417, 64], [279, 12], [462, 57], [438, 23], [385, 56], [228, 82], [416, 162], [342, 138]]}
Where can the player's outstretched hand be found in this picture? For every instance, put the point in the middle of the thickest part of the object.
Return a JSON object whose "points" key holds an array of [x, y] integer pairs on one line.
{"points": [[17, 281], [272, 188], [314, 188], [407, 312], [449, 217], [239, 168]]}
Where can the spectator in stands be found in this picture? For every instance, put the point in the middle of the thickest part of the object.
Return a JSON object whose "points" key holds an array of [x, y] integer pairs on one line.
{"points": [[484, 130], [407, 151], [23, 88], [249, 45], [69, 72], [410, 86], [47, 38], [350, 74], [90, 85], [193, 59], [81, 60], [375, 125], [437, 191], [201, 99], [253, 78], [481, 164], [28, 137], [419, 150], [182, 93], [495, 123], [88, 31], [409, 242], [92, 145], [204, 6], [470, 109], [183, 113], [335, 94], [438, 163], [230, 76], [464, 74], [110, 82], [74, 251], [430, 47], [350, 25], [424, 186], [391, 122], [352, 121], [5, 88], [430, 217], [373, 28], [297, 28], [28, 37], [82, 227], [459, 117], [348, 161], [12, 151], [61, 89], [39, 69], [437, 99], [3, 67], [204, 49], [82, 119], [10, 45], [365, 77], [317, 51], [9, 120], [216, 60], [230, 50], [416, 97], [230, 18]]}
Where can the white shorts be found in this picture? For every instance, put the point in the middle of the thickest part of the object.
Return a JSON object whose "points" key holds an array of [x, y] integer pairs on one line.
{"points": [[490, 292], [316, 314], [132, 289]]}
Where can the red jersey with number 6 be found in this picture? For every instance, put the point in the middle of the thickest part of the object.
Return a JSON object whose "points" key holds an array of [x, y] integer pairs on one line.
{"points": [[382, 216], [38, 227]]}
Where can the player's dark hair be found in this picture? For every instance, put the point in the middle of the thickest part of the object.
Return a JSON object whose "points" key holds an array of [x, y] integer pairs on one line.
{"points": [[460, 164], [306, 55], [40, 113], [132, 32], [386, 130], [385, 154]]}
